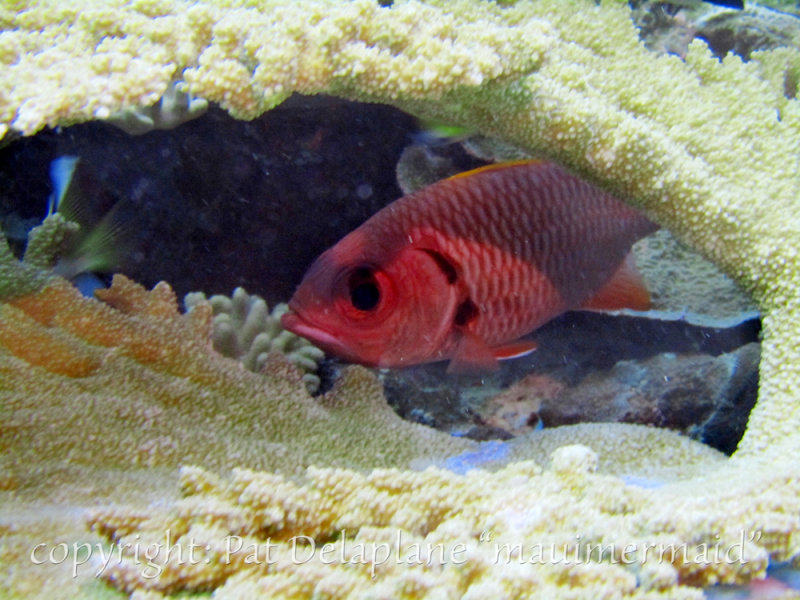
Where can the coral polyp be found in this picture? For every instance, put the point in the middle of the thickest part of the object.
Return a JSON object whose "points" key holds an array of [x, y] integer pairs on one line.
{"points": [[245, 329]]}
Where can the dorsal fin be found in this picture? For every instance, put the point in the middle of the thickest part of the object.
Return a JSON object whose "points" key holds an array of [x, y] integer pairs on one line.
{"points": [[495, 166], [625, 289]]}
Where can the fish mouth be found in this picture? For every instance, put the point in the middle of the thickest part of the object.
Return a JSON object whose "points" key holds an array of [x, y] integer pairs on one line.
{"points": [[293, 322]]}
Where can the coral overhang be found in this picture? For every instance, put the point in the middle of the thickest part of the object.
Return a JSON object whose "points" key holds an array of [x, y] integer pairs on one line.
{"points": [[707, 148]]}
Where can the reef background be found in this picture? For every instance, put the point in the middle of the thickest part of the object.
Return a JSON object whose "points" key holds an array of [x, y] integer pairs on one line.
{"points": [[133, 377], [221, 203]]}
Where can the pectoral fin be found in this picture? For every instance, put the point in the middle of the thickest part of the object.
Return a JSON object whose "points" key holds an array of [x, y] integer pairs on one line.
{"points": [[472, 355], [625, 289]]}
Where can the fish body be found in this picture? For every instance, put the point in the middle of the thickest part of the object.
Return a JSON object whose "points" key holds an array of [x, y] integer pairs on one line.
{"points": [[462, 268]]}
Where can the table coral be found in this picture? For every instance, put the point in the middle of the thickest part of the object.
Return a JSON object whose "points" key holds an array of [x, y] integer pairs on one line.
{"points": [[128, 389], [114, 55], [707, 148], [553, 77]]}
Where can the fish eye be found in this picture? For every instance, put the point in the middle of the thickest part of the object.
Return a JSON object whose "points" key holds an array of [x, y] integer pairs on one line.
{"points": [[365, 293]]}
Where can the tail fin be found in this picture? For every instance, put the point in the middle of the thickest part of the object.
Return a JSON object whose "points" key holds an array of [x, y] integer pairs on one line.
{"points": [[625, 289]]}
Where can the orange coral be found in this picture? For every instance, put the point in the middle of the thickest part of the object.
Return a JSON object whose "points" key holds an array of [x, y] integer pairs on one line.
{"points": [[136, 353], [44, 329], [27, 338]]}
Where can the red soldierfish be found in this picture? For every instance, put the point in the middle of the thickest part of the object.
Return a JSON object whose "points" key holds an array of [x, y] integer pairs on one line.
{"points": [[462, 268]]}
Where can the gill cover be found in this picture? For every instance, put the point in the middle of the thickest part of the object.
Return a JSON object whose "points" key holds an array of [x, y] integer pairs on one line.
{"points": [[394, 309]]}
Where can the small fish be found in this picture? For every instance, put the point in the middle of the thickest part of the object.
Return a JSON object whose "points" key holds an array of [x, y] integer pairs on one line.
{"points": [[102, 239], [729, 3], [463, 268], [435, 133], [737, 4], [61, 171]]}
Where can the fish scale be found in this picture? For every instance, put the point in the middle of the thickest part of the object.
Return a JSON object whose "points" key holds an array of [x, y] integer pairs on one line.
{"points": [[463, 268], [499, 251]]}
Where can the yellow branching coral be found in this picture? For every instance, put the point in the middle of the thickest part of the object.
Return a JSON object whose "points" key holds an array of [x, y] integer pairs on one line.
{"points": [[520, 532], [103, 400], [66, 62], [106, 399], [708, 148]]}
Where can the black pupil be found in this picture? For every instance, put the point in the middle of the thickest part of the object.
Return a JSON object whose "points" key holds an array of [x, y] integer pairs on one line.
{"points": [[364, 291]]}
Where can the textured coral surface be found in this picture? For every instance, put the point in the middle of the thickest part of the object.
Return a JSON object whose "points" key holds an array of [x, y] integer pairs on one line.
{"points": [[101, 404], [103, 401], [566, 79], [124, 391]]}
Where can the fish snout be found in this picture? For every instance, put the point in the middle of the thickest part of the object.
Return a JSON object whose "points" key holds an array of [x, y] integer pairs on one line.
{"points": [[289, 320], [330, 344]]}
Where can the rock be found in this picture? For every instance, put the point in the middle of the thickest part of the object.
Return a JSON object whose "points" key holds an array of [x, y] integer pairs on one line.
{"points": [[516, 410], [706, 397]]}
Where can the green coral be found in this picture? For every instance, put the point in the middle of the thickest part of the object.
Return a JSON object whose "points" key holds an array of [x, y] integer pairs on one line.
{"points": [[45, 243], [681, 281], [789, 6], [246, 330]]}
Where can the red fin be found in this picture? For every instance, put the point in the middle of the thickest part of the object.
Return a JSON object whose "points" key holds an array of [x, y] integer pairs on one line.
{"points": [[625, 289], [472, 356], [514, 349]]}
